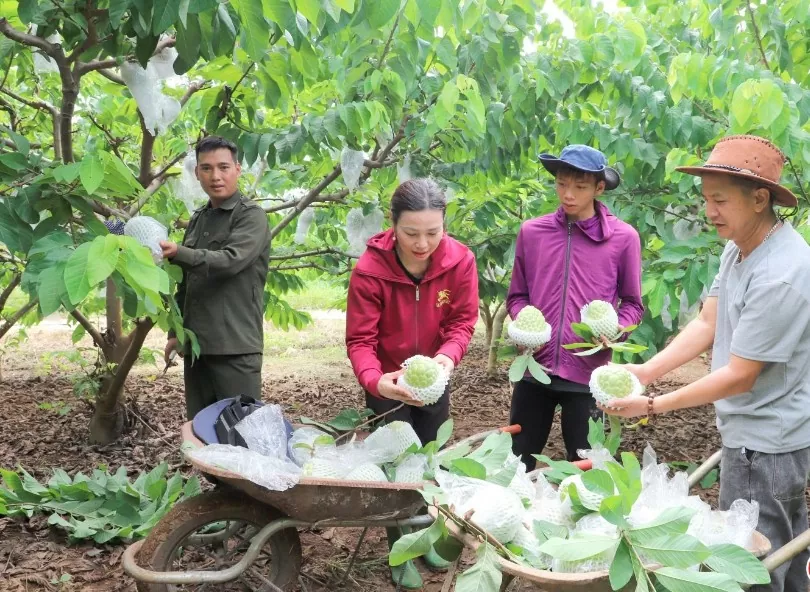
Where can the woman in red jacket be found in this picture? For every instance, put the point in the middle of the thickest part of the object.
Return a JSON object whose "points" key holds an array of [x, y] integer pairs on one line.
{"points": [[414, 291]]}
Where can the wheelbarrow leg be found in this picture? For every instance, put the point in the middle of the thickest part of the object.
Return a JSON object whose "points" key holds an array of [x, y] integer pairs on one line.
{"points": [[354, 556]]}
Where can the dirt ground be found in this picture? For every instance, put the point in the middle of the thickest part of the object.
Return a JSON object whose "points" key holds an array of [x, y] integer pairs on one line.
{"points": [[306, 374]]}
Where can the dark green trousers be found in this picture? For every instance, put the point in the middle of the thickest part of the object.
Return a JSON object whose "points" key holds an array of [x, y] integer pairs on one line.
{"points": [[213, 378]]}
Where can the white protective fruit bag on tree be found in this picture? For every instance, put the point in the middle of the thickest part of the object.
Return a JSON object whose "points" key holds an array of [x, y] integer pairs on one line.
{"points": [[149, 232]]}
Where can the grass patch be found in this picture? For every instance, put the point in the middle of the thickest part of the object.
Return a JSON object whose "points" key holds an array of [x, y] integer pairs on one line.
{"points": [[320, 294]]}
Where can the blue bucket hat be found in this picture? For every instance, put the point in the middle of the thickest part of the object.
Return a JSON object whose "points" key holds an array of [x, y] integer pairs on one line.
{"points": [[583, 158]]}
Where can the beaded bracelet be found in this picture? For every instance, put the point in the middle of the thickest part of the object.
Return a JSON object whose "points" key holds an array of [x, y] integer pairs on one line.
{"points": [[650, 411]]}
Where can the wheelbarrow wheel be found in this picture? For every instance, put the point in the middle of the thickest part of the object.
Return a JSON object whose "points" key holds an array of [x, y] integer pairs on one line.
{"points": [[211, 532]]}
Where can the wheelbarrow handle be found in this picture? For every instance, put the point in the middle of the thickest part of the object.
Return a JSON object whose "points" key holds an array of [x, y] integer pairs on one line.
{"points": [[787, 552], [513, 429], [704, 469]]}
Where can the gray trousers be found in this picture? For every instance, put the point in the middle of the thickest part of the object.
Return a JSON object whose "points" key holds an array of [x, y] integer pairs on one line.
{"points": [[214, 378], [778, 483]]}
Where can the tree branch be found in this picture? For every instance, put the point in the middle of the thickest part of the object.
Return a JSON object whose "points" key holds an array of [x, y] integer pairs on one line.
{"points": [[147, 147], [33, 103], [98, 339], [11, 321], [112, 77], [756, 33], [157, 182], [798, 181], [294, 203], [15, 281], [112, 305], [326, 251], [26, 39], [388, 41], [305, 201], [114, 142]]}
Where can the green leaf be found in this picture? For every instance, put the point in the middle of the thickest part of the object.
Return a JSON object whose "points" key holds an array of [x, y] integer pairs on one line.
{"points": [[537, 371], [255, 29], [380, 12], [518, 368], [76, 274], [584, 331], [166, 12], [310, 9], [578, 345], [577, 549], [612, 509], [445, 433], [674, 550], [51, 289], [621, 570], [347, 5], [671, 521], [484, 575], [598, 481], [91, 173], [317, 424], [560, 469], [738, 564], [468, 468], [683, 580], [415, 544], [546, 530], [102, 258]]}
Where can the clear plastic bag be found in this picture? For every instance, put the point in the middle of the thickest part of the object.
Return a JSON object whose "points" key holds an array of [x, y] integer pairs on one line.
{"points": [[276, 474], [404, 169], [412, 469], [587, 526], [306, 435], [265, 432], [548, 506], [598, 455], [735, 526]]}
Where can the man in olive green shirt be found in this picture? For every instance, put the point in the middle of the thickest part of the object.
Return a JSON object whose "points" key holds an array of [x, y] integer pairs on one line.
{"points": [[224, 257]]}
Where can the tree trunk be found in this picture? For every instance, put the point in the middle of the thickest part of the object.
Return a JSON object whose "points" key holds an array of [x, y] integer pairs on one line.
{"points": [[486, 315], [107, 423], [497, 332]]}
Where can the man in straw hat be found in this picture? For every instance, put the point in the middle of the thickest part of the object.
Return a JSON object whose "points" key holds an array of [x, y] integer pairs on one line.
{"points": [[757, 320]]}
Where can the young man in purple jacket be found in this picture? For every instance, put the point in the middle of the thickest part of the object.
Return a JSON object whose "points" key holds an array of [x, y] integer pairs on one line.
{"points": [[563, 261]]}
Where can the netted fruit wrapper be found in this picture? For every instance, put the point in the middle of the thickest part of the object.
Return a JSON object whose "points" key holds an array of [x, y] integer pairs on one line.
{"points": [[548, 506], [389, 441], [658, 490], [412, 469], [530, 548], [276, 474], [149, 232]]}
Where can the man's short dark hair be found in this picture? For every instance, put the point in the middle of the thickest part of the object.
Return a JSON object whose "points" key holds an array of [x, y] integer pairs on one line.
{"points": [[578, 175], [211, 143]]}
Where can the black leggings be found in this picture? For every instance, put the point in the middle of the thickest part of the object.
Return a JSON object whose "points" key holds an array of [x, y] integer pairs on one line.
{"points": [[533, 407], [425, 420]]}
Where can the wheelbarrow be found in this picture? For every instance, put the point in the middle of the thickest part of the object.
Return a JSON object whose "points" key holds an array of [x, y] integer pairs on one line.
{"points": [[599, 581], [259, 526]]}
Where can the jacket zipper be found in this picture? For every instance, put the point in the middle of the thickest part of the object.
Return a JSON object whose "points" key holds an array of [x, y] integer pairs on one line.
{"points": [[416, 321], [564, 298]]}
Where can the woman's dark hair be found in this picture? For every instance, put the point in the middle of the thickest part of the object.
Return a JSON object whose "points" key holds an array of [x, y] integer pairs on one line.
{"points": [[211, 143], [416, 195]]}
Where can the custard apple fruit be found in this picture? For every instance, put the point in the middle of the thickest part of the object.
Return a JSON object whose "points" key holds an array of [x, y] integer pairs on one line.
{"points": [[367, 472], [529, 329], [149, 232], [613, 382], [387, 442], [590, 499], [424, 378], [497, 510], [319, 468], [601, 318]]}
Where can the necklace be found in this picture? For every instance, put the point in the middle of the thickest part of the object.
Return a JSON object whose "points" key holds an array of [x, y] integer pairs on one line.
{"points": [[767, 236]]}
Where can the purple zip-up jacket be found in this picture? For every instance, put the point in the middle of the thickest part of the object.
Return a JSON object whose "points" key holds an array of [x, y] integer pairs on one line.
{"points": [[561, 266]]}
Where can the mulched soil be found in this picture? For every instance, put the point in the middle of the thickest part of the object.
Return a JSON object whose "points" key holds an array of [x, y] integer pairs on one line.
{"points": [[34, 556]]}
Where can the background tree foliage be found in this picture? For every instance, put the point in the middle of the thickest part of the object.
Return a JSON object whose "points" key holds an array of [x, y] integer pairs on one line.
{"points": [[468, 92]]}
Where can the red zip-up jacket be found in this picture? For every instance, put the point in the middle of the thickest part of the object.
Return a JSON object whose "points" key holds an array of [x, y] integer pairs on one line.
{"points": [[389, 318]]}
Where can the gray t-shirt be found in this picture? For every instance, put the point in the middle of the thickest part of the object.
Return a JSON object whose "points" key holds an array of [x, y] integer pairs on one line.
{"points": [[763, 314]]}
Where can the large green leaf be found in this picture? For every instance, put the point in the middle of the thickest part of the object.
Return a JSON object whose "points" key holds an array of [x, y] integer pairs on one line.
{"points": [[103, 258], [674, 550], [380, 12], [738, 564], [76, 275], [255, 29], [415, 544], [166, 13], [484, 575], [621, 569], [52, 289], [91, 173], [670, 522], [577, 549], [682, 580]]}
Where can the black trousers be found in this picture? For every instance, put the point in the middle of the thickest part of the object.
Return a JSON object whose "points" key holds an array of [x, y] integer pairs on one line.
{"points": [[213, 378], [425, 420], [533, 407]]}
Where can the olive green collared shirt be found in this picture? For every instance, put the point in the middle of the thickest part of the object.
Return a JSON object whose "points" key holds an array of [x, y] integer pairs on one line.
{"points": [[225, 256]]}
